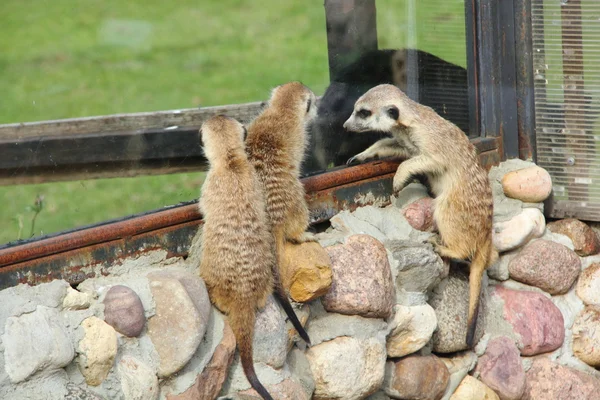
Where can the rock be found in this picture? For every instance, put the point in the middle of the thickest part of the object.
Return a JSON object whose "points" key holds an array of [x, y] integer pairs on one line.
{"points": [[177, 327], [287, 389], [420, 269], [410, 193], [270, 335], [97, 349], [519, 230], [472, 389], [450, 300], [586, 336], [123, 310], [77, 393], [531, 185], [549, 266], [303, 313], [35, 342], [416, 377], [362, 279], [458, 367], [347, 367], [588, 286], [306, 271], [499, 270], [535, 318], [548, 380], [419, 214], [390, 222], [412, 329], [500, 368], [300, 370], [584, 238], [209, 383], [138, 381], [75, 300]]}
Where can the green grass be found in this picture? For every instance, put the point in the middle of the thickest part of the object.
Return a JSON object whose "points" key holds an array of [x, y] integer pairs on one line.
{"points": [[64, 59]]}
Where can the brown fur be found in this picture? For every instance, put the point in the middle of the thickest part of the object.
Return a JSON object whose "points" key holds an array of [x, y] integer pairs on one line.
{"points": [[276, 144], [237, 246], [439, 149]]}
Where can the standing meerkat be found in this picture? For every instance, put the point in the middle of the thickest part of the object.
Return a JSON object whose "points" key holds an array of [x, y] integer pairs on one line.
{"points": [[276, 144], [237, 246], [437, 148]]}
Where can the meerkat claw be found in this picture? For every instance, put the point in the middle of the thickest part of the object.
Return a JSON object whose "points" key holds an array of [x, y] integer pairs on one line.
{"points": [[352, 160]]}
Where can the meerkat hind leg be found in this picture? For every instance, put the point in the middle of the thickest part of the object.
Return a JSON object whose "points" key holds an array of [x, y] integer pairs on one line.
{"points": [[304, 237]]}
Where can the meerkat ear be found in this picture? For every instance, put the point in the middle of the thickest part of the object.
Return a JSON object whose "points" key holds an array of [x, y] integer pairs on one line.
{"points": [[393, 113], [308, 105]]}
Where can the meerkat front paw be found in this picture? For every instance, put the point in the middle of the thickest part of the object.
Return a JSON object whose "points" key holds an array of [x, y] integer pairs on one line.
{"points": [[399, 182], [305, 237]]}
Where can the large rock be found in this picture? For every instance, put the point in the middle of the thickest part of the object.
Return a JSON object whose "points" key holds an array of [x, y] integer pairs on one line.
{"points": [[450, 300], [35, 342], [501, 369], [209, 383], [472, 389], [97, 349], [548, 380], [584, 238], [362, 279], [530, 185], [412, 328], [535, 318], [306, 271], [270, 335], [420, 269], [586, 336], [347, 368], [416, 377], [177, 327], [518, 230], [419, 214], [547, 265], [588, 286], [123, 310], [138, 380]]}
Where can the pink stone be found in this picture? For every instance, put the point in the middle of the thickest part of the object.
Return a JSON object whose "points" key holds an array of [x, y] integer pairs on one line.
{"points": [[548, 380], [419, 214], [123, 310], [547, 265], [584, 238], [362, 279], [535, 318], [501, 369]]}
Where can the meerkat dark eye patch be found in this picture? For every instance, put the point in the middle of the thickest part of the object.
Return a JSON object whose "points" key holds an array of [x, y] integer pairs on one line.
{"points": [[393, 113], [308, 105], [363, 113]]}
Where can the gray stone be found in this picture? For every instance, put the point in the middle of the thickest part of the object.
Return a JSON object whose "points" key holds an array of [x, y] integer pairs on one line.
{"points": [[499, 270], [409, 194], [123, 310], [347, 367], [270, 335], [419, 268], [391, 222], [138, 380], [300, 370], [34, 342], [78, 393], [349, 224], [236, 380], [450, 300], [48, 386], [177, 329]]}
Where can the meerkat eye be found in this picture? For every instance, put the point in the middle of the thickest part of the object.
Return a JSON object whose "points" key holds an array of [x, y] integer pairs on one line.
{"points": [[308, 105], [363, 113], [393, 113]]}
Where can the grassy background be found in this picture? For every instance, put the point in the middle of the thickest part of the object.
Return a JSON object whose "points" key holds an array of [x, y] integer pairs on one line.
{"points": [[69, 59]]}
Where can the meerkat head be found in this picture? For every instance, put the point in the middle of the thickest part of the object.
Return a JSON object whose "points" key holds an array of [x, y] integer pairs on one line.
{"points": [[220, 135], [384, 108], [295, 98]]}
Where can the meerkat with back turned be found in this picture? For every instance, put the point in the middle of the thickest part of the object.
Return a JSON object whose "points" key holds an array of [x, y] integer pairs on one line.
{"points": [[237, 246], [276, 144], [437, 148]]}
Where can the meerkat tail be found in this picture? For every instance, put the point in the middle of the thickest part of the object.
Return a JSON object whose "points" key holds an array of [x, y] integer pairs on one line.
{"points": [[242, 322], [480, 262], [279, 291]]}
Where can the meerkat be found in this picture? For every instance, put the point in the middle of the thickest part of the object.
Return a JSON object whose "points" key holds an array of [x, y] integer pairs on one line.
{"points": [[237, 245], [276, 144], [439, 149]]}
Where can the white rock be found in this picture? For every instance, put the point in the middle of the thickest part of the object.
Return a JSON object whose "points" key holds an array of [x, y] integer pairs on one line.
{"points": [[138, 381], [347, 368], [34, 342], [473, 389], [519, 230], [75, 300], [588, 285], [458, 367], [412, 329], [270, 335], [98, 350]]}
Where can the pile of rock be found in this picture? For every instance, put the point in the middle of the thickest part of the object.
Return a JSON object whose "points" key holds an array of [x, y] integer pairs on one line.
{"points": [[386, 316]]}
